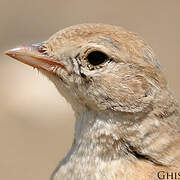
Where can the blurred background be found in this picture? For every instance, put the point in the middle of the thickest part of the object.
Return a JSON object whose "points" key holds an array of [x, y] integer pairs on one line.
{"points": [[36, 123]]}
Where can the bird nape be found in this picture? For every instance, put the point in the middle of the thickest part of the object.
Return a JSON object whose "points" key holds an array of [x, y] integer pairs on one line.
{"points": [[127, 120]]}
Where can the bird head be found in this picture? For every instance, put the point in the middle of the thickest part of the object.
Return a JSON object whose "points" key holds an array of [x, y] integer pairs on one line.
{"points": [[101, 67]]}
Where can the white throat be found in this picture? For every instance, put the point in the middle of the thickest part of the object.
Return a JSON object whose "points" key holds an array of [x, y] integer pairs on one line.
{"points": [[98, 144], [105, 139]]}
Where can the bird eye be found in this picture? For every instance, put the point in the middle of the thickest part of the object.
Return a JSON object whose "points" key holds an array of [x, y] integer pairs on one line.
{"points": [[96, 58]]}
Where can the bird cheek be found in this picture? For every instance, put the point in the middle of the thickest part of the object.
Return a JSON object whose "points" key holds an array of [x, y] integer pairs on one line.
{"points": [[121, 94]]}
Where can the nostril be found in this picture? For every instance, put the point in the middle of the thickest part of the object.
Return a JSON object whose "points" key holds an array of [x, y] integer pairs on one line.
{"points": [[42, 50], [40, 47]]}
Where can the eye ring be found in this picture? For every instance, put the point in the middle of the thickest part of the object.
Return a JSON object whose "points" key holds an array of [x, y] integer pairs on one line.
{"points": [[96, 58]]}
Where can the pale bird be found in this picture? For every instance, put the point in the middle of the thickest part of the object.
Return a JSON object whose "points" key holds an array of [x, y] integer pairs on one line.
{"points": [[127, 120]]}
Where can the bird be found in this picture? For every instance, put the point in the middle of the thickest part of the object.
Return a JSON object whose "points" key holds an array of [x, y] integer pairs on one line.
{"points": [[127, 119]]}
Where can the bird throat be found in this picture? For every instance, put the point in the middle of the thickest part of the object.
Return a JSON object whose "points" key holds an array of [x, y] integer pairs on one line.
{"points": [[108, 137]]}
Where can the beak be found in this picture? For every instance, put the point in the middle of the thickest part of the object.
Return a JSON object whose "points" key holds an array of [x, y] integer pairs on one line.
{"points": [[36, 56]]}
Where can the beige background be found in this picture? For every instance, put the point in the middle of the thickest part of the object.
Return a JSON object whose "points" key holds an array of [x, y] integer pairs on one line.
{"points": [[36, 124]]}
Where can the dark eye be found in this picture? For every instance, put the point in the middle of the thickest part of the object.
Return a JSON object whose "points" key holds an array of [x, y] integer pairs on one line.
{"points": [[96, 58]]}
